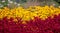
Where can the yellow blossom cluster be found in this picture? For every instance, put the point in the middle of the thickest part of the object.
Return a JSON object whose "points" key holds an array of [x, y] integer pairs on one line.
{"points": [[30, 13]]}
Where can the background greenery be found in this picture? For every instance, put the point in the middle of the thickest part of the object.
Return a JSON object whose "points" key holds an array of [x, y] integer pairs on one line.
{"points": [[23, 2]]}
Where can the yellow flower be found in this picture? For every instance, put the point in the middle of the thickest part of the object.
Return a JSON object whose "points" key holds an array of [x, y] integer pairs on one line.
{"points": [[30, 13]]}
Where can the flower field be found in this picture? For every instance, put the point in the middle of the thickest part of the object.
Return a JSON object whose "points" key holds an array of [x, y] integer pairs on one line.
{"points": [[35, 19]]}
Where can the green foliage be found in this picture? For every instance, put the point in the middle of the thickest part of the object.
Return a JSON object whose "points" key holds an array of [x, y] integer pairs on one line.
{"points": [[23, 1], [58, 1], [4, 3], [19, 1]]}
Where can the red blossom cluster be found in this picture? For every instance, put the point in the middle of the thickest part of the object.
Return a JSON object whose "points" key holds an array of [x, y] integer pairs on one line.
{"points": [[49, 25]]}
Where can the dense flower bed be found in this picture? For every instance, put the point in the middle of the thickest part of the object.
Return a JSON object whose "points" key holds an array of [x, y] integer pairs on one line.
{"points": [[35, 19], [29, 13]]}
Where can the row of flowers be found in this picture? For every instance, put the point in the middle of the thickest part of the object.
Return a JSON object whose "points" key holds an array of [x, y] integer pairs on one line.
{"points": [[49, 25], [30, 13], [35, 19]]}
